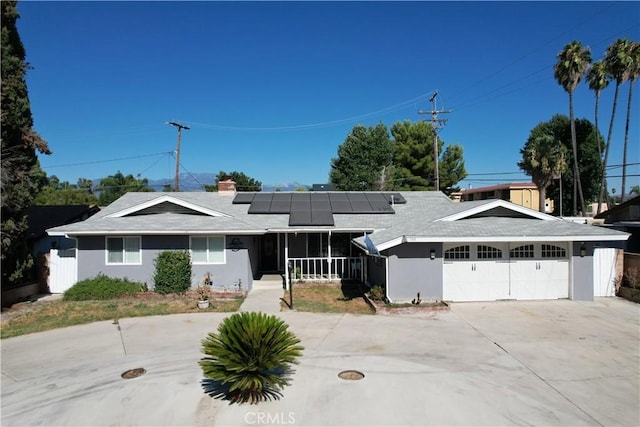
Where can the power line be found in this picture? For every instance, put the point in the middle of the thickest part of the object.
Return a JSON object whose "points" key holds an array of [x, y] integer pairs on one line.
{"points": [[106, 161]]}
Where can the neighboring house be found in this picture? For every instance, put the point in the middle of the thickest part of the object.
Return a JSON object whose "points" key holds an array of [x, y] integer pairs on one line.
{"points": [[625, 217], [523, 194], [41, 218], [415, 242]]}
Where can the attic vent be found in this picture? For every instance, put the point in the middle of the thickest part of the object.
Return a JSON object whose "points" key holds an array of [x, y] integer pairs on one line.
{"points": [[166, 207]]}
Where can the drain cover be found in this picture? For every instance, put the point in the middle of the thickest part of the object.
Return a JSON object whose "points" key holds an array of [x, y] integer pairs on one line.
{"points": [[133, 373], [351, 375]]}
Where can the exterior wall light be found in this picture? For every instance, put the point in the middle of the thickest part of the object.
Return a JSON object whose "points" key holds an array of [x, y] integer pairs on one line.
{"points": [[583, 251], [432, 254]]}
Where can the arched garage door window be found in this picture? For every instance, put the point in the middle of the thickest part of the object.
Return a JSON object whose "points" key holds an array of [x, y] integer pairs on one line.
{"points": [[458, 252], [489, 252], [553, 251]]}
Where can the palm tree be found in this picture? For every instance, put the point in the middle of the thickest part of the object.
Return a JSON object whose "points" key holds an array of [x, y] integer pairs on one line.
{"points": [[616, 62], [543, 158], [598, 81], [633, 72], [573, 62], [251, 355]]}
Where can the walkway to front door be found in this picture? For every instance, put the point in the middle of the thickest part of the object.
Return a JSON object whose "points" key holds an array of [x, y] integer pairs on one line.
{"points": [[264, 296]]}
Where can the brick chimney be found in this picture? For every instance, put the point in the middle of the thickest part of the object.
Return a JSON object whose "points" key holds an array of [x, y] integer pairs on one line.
{"points": [[227, 187]]}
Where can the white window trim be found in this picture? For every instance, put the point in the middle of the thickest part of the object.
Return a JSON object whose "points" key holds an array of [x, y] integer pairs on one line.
{"points": [[224, 250], [106, 250]]}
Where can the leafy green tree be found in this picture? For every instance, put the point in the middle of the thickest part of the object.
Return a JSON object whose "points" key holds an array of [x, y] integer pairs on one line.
{"points": [[617, 63], [543, 158], [21, 176], [243, 182], [251, 354], [573, 62], [414, 166], [633, 71], [413, 161], [362, 159], [559, 128], [63, 193], [115, 186], [452, 169]]}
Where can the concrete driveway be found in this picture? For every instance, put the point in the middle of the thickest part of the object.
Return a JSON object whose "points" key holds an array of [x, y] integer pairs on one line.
{"points": [[503, 363]]}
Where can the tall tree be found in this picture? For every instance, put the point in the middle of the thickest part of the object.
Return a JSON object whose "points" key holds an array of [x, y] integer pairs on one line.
{"points": [[115, 186], [452, 169], [543, 158], [573, 62], [362, 159], [633, 71], [414, 165], [243, 182], [559, 127], [616, 60], [413, 161], [598, 81], [21, 175]]}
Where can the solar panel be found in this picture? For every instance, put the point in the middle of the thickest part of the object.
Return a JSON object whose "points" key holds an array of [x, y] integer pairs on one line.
{"points": [[359, 203], [320, 202], [300, 218], [243, 198], [321, 218], [300, 203], [281, 203], [379, 203], [263, 197], [260, 207]]}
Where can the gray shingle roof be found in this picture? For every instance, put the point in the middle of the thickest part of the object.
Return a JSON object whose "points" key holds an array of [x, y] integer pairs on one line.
{"points": [[420, 217]]}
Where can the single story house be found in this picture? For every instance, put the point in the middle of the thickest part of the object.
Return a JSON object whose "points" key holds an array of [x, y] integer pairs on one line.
{"points": [[407, 242], [625, 217]]}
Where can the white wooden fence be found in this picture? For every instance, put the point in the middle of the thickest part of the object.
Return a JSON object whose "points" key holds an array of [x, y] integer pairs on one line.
{"points": [[63, 271], [607, 269]]}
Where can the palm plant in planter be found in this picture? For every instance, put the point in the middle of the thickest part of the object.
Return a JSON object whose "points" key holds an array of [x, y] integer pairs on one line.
{"points": [[250, 356]]}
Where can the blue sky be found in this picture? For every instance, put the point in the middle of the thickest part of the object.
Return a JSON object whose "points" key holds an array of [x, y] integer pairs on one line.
{"points": [[273, 88]]}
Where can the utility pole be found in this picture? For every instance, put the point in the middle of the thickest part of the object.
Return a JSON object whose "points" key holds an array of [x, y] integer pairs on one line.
{"points": [[176, 184], [436, 123]]}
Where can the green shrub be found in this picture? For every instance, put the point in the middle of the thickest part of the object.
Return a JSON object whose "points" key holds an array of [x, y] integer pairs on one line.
{"points": [[102, 287], [251, 354], [173, 272], [377, 293]]}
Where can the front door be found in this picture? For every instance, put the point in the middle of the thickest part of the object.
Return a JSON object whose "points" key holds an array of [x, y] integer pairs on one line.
{"points": [[269, 253]]}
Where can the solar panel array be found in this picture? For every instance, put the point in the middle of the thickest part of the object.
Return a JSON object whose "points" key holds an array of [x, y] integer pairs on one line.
{"points": [[315, 208]]}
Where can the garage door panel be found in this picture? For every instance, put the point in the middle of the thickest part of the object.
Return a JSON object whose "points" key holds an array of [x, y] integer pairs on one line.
{"points": [[522, 271]]}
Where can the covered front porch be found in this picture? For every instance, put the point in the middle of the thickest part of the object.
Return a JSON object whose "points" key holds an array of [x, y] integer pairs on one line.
{"points": [[312, 256]]}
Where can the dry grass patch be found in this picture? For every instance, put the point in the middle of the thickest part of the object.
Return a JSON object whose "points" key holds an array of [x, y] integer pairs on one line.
{"points": [[328, 298], [43, 316]]}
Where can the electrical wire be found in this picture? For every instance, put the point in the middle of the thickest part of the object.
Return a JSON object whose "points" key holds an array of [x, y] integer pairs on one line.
{"points": [[106, 161]]}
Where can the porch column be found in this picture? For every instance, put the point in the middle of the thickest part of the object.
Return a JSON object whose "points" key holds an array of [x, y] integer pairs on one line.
{"points": [[286, 260], [329, 257]]}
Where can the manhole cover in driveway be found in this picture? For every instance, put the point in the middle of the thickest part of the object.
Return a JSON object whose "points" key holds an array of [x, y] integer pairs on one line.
{"points": [[133, 373], [351, 375]]}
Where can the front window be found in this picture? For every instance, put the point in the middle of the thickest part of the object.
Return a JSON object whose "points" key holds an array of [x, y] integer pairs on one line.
{"points": [[208, 250], [123, 250]]}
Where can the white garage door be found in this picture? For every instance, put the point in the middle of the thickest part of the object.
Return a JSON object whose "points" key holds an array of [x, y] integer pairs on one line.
{"points": [[476, 272], [539, 271], [494, 271]]}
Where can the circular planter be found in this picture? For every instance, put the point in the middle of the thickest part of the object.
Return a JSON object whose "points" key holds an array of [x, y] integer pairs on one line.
{"points": [[203, 304]]}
